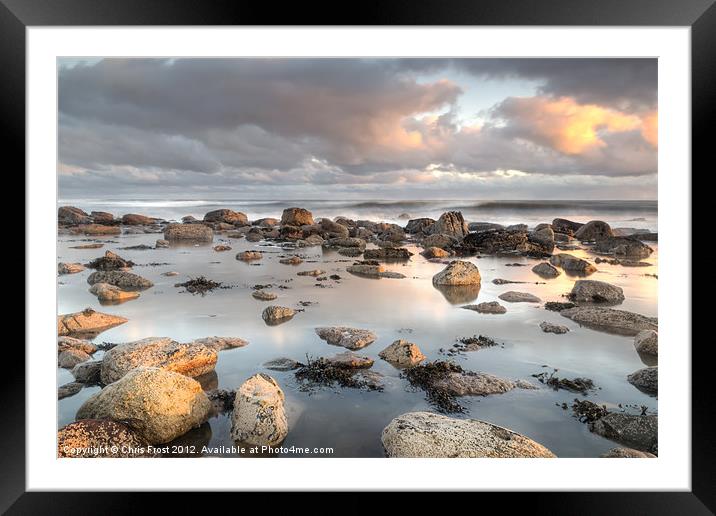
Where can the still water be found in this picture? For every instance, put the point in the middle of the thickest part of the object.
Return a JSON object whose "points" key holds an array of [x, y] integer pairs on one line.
{"points": [[350, 421]]}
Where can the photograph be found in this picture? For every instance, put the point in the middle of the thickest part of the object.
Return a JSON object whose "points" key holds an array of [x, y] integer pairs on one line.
{"points": [[357, 257]]}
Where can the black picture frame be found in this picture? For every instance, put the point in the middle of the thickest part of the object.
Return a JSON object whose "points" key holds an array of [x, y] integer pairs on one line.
{"points": [[700, 15]]}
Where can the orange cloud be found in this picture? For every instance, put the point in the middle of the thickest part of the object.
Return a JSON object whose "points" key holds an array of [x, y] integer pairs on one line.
{"points": [[570, 127], [650, 128]]}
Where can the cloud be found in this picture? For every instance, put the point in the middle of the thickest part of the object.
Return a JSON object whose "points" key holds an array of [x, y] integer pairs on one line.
{"points": [[217, 123]]}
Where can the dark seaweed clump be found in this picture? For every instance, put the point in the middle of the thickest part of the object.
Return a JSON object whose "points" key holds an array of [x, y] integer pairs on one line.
{"points": [[465, 344], [200, 285], [587, 411], [321, 373], [109, 262], [556, 306], [428, 377], [575, 385]]}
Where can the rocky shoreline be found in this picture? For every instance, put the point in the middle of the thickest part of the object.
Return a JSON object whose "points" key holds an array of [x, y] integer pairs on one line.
{"points": [[151, 391]]}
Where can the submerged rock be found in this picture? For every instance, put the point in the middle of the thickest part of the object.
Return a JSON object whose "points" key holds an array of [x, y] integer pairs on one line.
{"points": [[549, 327], [69, 268], [519, 297], [646, 379], [98, 438], [294, 260], [69, 358], [259, 417], [220, 343], [160, 352], [592, 291], [593, 230], [351, 338], [196, 232], [572, 264], [627, 453], [273, 315], [350, 360], [546, 270], [110, 293], [491, 307], [160, 405], [458, 272], [68, 389], [121, 279], [262, 295], [282, 364], [64, 343], [609, 319], [467, 383], [639, 432], [247, 256], [458, 294], [98, 229], [647, 342], [87, 322], [388, 254], [428, 435], [629, 247], [402, 353], [313, 272], [435, 252]]}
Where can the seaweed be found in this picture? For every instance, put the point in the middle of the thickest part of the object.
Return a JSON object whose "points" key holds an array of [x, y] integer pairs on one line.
{"points": [[587, 411], [428, 376], [581, 385], [556, 306], [322, 373], [199, 285], [465, 344]]}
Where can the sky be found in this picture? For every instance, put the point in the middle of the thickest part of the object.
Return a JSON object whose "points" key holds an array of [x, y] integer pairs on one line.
{"points": [[429, 128]]}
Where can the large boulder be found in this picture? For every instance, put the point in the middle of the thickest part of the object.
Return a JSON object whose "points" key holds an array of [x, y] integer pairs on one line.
{"points": [[640, 432], [235, 218], [221, 343], [102, 217], [611, 320], [134, 219], [402, 353], [572, 264], [296, 217], [546, 270], [160, 352], [593, 231], [458, 272], [69, 358], [488, 307], [647, 342], [69, 215], [259, 417], [159, 405], [566, 227], [422, 225], [428, 435], [194, 232], [95, 438], [65, 343], [351, 338], [592, 291], [646, 379], [451, 223], [544, 237], [628, 247], [87, 323], [121, 279]]}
